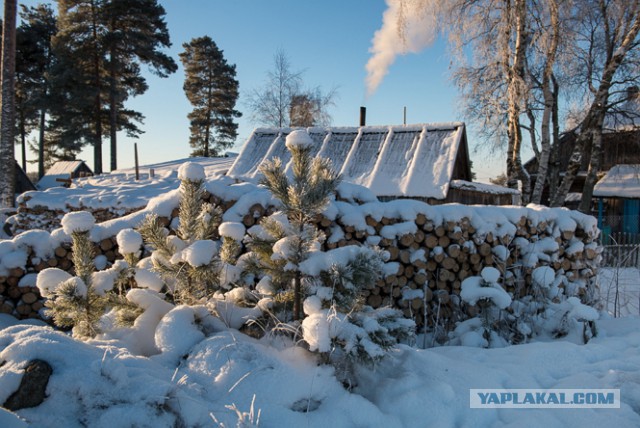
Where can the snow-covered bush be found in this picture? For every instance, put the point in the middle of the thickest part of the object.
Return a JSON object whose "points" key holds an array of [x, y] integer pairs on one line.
{"points": [[545, 311], [487, 294]]}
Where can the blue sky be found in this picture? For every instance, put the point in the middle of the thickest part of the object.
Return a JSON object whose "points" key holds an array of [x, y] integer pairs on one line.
{"points": [[328, 39]]}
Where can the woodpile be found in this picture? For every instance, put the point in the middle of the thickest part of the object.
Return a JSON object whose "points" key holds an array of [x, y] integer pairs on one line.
{"points": [[39, 217], [425, 268]]}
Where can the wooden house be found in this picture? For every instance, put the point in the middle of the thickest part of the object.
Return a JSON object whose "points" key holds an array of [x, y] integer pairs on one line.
{"points": [[620, 142], [428, 162], [618, 201], [62, 172]]}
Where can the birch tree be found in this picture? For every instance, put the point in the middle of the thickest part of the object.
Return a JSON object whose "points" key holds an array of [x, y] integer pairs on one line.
{"points": [[606, 52], [490, 42], [284, 101]]}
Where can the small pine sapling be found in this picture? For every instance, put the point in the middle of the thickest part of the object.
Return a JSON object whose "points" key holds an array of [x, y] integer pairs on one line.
{"points": [[339, 325], [189, 261], [282, 244], [73, 301], [286, 248]]}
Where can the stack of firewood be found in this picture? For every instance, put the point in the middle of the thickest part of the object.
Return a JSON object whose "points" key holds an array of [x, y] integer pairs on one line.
{"points": [[425, 268]]}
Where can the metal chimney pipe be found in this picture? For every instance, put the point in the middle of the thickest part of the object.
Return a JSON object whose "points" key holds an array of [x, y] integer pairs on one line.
{"points": [[363, 116]]}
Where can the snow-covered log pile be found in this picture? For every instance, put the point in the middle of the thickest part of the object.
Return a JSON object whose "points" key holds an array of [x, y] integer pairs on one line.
{"points": [[431, 249], [41, 217]]}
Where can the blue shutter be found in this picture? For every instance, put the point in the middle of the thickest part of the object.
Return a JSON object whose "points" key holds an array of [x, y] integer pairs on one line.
{"points": [[631, 215]]}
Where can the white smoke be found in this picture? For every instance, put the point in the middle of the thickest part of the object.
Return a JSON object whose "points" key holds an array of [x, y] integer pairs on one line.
{"points": [[406, 28]]}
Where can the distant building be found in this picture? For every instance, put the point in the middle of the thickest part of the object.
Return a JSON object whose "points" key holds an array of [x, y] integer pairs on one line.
{"points": [[62, 172], [428, 162]]}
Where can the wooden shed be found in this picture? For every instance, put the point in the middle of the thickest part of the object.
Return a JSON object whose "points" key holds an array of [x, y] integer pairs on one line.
{"points": [[406, 161], [62, 172]]}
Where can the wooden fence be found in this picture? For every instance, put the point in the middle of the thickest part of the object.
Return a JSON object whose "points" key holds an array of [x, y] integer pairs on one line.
{"points": [[620, 249]]}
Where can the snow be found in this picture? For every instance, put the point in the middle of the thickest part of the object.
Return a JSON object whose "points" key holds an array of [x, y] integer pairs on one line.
{"points": [[129, 241], [485, 287], [543, 276], [50, 279], [191, 171], [80, 221], [103, 385], [299, 139], [119, 190], [483, 187], [103, 280], [619, 290], [146, 278], [621, 181], [233, 230], [199, 253]]}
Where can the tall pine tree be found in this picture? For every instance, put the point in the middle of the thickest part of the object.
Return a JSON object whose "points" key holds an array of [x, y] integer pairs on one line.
{"points": [[78, 84], [34, 58], [101, 46], [211, 87], [136, 31]]}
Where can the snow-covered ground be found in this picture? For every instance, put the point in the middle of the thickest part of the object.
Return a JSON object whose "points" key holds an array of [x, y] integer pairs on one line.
{"points": [[226, 377], [100, 385]]}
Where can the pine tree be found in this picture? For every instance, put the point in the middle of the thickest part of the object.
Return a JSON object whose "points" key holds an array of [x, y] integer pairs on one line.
{"points": [[78, 76], [303, 198], [188, 261], [34, 57], [286, 248], [100, 46], [136, 31], [211, 87]]}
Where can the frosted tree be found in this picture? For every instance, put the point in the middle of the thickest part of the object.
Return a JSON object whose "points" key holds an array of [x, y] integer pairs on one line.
{"points": [[73, 301], [189, 260], [285, 241], [324, 287], [80, 301]]}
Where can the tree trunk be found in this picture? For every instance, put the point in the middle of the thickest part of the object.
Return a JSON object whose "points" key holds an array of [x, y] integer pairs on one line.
{"points": [[547, 92], [7, 101], [515, 78], [97, 113], [113, 110], [297, 297], [553, 174], [41, 144], [23, 142], [592, 174]]}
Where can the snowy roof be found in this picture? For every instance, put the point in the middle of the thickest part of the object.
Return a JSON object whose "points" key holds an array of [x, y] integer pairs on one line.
{"points": [[483, 187], [621, 181], [406, 160], [64, 167], [60, 169], [212, 166]]}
